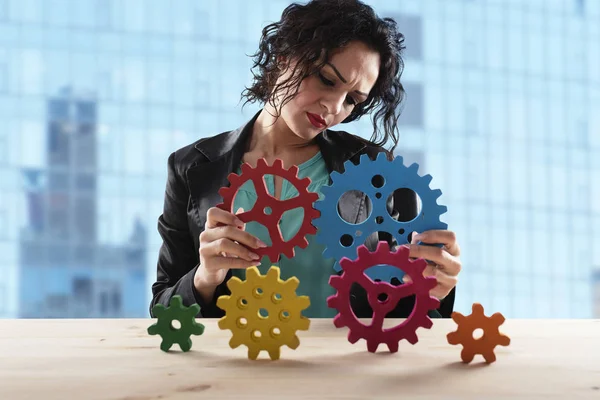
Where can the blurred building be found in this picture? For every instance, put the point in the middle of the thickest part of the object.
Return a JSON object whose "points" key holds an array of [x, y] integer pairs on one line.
{"points": [[65, 272]]}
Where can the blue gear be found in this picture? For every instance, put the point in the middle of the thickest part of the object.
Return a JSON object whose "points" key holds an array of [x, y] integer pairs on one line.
{"points": [[331, 226]]}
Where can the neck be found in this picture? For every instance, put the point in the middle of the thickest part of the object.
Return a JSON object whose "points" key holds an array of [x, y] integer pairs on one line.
{"points": [[271, 137]]}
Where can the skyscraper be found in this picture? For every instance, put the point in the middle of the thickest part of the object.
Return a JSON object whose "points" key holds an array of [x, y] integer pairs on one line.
{"points": [[65, 271]]}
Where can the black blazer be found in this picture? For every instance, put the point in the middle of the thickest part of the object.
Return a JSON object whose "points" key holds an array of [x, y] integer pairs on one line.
{"points": [[195, 174]]}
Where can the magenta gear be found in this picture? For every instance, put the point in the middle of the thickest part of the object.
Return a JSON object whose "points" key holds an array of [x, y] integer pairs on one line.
{"points": [[354, 272]]}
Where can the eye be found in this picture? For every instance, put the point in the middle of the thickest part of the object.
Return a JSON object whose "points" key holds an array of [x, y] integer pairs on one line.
{"points": [[325, 80]]}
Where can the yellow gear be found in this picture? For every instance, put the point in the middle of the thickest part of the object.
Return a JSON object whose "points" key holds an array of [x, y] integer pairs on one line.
{"points": [[263, 312]]}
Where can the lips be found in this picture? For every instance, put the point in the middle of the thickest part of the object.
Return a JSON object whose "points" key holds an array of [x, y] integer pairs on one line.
{"points": [[316, 120]]}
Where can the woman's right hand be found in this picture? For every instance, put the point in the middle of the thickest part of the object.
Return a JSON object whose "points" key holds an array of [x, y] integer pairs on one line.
{"points": [[221, 248]]}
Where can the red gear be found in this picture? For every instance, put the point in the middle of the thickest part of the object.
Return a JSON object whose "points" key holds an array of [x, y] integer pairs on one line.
{"points": [[374, 334], [305, 200]]}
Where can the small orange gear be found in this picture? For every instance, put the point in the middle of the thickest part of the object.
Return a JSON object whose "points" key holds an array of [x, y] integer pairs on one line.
{"points": [[484, 345]]}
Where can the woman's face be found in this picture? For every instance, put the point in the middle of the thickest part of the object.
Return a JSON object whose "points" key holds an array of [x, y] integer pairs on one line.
{"points": [[333, 92]]}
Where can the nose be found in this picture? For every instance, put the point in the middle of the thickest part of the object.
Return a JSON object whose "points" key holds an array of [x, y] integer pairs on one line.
{"points": [[334, 103]]}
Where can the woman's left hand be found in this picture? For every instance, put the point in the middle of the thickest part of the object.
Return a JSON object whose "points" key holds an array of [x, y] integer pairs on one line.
{"points": [[444, 262]]}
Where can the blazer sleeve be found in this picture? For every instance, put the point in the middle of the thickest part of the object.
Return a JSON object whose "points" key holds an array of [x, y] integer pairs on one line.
{"points": [[178, 257]]}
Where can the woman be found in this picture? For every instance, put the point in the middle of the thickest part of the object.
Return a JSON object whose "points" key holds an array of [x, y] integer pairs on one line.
{"points": [[324, 63]]}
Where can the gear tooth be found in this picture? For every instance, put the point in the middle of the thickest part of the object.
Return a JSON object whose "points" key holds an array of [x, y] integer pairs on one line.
{"points": [[335, 281], [353, 337], [381, 156], [303, 324], [274, 353], [436, 193], [262, 163], [235, 342], [223, 301], [392, 347], [185, 345], [273, 273], [332, 302], [252, 273], [477, 308], [338, 321], [223, 322], [372, 346], [458, 317], [245, 168], [442, 210], [383, 246], [303, 302], [427, 179], [363, 251], [253, 353], [467, 355], [412, 337], [503, 340], [293, 342], [278, 164], [427, 323], [153, 329], [305, 182], [364, 158], [294, 170], [414, 168], [291, 284], [498, 318], [453, 338], [489, 356], [335, 176]]}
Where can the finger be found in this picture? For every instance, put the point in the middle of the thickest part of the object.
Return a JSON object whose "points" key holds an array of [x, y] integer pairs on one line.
{"points": [[445, 261], [445, 237], [444, 286], [224, 245], [236, 263], [215, 216], [233, 234]]}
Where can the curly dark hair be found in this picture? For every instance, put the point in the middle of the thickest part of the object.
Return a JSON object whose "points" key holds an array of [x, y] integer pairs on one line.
{"points": [[310, 32]]}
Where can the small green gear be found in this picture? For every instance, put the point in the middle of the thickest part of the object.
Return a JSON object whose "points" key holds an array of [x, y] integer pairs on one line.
{"points": [[164, 327]]}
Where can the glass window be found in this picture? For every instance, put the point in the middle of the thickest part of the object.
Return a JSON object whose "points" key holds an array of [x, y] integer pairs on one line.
{"points": [[159, 16], [433, 39], [535, 50], [83, 13], [412, 28], [134, 80], [412, 114], [56, 13], [516, 54], [183, 17], [134, 160], [159, 82], [135, 17]]}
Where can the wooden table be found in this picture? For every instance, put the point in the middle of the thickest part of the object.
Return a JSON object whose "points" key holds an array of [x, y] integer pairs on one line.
{"points": [[117, 359]]}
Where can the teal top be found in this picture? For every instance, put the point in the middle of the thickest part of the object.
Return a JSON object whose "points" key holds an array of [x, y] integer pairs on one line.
{"points": [[308, 265]]}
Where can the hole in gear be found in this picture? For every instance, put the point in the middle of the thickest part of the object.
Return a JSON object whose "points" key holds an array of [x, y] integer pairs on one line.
{"points": [[175, 324], [257, 292], [378, 181], [242, 303], [406, 196], [346, 240], [276, 298], [275, 332], [263, 313], [256, 335], [284, 315], [268, 210], [477, 333], [354, 197], [242, 322], [382, 298]]}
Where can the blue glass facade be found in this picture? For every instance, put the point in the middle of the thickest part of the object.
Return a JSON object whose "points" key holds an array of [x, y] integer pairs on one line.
{"points": [[503, 110]]}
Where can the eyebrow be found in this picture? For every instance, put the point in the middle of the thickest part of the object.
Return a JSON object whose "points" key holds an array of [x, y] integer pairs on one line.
{"points": [[344, 80]]}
